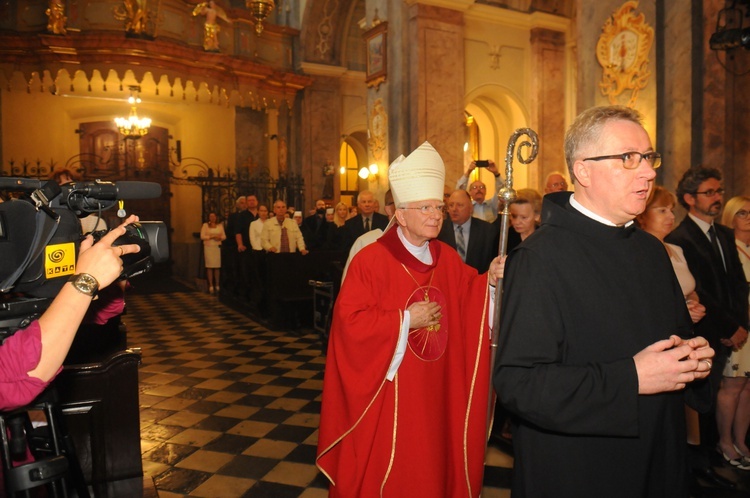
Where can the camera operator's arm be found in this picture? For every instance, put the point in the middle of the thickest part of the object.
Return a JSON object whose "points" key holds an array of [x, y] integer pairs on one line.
{"points": [[60, 322]]}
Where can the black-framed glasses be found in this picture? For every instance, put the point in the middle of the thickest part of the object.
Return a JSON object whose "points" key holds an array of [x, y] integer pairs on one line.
{"points": [[428, 208], [631, 160], [710, 192]]}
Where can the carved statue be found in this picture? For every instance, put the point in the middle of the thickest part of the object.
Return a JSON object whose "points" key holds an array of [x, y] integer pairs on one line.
{"points": [[134, 12], [210, 28], [56, 15]]}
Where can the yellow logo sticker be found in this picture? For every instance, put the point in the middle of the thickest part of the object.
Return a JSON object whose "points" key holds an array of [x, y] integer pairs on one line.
{"points": [[60, 260]]}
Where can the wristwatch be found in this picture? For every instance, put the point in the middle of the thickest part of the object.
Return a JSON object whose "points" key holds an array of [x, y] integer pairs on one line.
{"points": [[84, 283]]}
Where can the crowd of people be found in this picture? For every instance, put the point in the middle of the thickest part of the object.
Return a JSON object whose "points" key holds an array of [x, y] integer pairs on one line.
{"points": [[621, 334], [621, 355]]}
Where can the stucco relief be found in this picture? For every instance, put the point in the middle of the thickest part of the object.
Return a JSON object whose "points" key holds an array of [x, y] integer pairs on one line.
{"points": [[325, 28], [378, 130]]}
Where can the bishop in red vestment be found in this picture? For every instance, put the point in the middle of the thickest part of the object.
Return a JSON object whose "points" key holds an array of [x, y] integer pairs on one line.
{"points": [[406, 382]]}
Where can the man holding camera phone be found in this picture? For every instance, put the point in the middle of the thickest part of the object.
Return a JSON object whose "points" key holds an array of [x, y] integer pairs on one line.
{"points": [[484, 208]]}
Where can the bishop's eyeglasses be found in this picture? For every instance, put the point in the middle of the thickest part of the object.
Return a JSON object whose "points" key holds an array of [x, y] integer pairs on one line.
{"points": [[427, 208], [631, 160]]}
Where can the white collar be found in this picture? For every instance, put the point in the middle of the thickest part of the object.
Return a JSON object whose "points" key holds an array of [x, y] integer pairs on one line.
{"points": [[701, 224], [590, 214], [422, 253]]}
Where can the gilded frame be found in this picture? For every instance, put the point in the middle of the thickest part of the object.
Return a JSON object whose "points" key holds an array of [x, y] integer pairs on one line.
{"points": [[376, 41]]}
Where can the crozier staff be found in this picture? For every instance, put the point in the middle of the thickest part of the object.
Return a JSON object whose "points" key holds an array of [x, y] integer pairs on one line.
{"points": [[33, 356]]}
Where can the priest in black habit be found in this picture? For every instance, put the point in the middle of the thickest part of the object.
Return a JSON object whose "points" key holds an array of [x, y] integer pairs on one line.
{"points": [[596, 347]]}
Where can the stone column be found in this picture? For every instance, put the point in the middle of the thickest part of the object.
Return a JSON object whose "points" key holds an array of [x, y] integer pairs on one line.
{"points": [[547, 103], [435, 83], [272, 128], [321, 133]]}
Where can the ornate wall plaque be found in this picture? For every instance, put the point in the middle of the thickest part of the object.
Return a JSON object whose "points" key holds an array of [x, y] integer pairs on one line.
{"points": [[622, 51], [378, 130]]}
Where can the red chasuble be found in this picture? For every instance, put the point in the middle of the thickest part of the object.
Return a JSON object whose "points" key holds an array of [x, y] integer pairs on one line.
{"points": [[422, 434]]}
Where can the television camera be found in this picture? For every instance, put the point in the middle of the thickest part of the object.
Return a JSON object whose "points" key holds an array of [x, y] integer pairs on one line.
{"points": [[40, 235]]}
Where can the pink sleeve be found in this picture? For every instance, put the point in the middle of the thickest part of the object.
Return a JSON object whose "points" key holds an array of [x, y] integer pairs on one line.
{"points": [[19, 354]]}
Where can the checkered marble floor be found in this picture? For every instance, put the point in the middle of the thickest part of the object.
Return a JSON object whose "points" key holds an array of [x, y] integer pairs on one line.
{"points": [[230, 408]]}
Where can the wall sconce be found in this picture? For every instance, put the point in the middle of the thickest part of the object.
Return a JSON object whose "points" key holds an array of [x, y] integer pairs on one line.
{"points": [[369, 172]]}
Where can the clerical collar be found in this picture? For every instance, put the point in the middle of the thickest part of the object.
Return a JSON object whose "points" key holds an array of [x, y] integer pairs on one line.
{"points": [[701, 224], [590, 214], [422, 253]]}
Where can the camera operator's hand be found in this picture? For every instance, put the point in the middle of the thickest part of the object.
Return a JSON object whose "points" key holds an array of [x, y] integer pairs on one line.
{"points": [[102, 260], [59, 323]]}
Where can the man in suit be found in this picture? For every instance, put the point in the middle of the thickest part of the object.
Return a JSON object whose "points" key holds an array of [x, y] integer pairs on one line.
{"points": [[315, 227], [367, 218], [713, 260], [474, 239]]}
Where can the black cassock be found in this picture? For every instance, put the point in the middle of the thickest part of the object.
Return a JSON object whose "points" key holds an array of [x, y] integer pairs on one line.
{"points": [[580, 300]]}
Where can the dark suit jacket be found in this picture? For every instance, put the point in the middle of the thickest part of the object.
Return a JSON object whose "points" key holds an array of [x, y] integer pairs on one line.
{"points": [[482, 246], [723, 294], [315, 231], [356, 227]]}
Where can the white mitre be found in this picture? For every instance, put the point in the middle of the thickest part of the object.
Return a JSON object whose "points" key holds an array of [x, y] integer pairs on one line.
{"points": [[418, 177]]}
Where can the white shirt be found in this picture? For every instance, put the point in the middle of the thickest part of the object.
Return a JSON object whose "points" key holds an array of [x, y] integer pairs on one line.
{"points": [[256, 228]]}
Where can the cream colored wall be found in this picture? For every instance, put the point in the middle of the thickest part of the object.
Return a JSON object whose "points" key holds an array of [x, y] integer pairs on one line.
{"points": [[499, 80], [39, 125]]}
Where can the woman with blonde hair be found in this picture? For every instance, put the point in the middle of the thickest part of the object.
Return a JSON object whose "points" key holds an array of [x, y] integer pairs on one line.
{"points": [[734, 384], [340, 214]]}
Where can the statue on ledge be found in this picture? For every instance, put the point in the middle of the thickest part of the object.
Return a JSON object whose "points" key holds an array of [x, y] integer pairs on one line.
{"points": [[56, 15], [134, 12], [211, 27]]}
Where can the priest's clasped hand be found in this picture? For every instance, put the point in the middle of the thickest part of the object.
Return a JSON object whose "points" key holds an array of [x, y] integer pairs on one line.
{"points": [[423, 314], [671, 364]]}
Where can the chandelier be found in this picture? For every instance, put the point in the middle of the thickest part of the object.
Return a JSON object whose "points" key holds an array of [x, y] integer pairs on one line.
{"points": [[259, 10], [133, 126]]}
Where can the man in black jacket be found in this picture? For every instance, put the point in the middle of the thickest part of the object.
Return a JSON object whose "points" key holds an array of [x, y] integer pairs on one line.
{"points": [[474, 239], [367, 218], [712, 258]]}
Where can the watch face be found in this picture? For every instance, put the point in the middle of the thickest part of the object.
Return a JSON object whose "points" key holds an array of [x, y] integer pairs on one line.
{"points": [[85, 283]]}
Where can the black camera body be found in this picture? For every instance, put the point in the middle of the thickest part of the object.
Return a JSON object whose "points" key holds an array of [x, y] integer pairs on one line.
{"points": [[40, 235], [482, 163]]}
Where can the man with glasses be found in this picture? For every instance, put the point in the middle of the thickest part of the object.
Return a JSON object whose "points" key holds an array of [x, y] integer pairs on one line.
{"points": [[405, 393], [595, 344], [484, 208], [555, 183], [712, 258]]}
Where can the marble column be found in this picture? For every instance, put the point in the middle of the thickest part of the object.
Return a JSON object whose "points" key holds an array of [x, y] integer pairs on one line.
{"points": [[547, 103]]}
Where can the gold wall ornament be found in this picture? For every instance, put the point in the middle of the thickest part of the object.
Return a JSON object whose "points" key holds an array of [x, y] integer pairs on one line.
{"points": [[378, 130], [135, 15], [622, 51], [56, 17]]}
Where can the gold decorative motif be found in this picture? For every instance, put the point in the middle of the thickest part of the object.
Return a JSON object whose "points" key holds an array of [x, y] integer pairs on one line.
{"points": [[378, 130], [622, 51], [211, 27], [56, 17], [135, 14]]}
